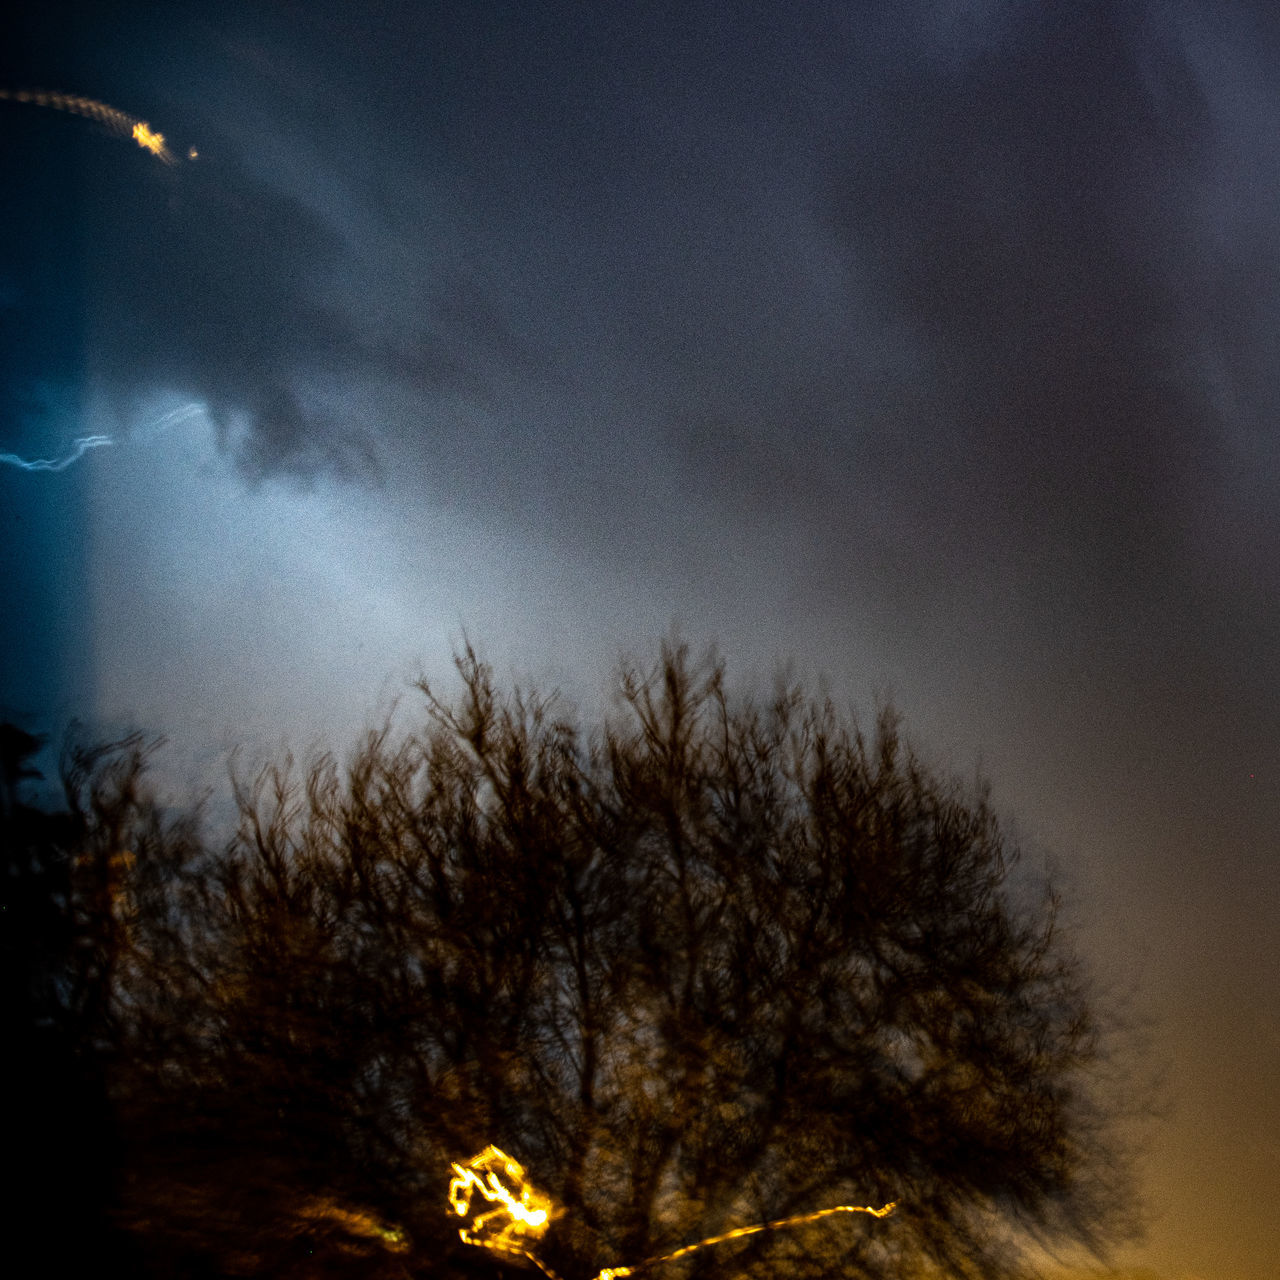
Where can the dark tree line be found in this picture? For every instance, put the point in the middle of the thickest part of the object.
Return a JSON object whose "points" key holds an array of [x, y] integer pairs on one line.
{"points": [[718, 963], [61, 1143]]}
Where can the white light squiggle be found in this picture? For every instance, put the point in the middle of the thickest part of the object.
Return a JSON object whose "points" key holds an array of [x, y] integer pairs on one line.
{"points": [[82, 445], [78, 449], [171, 419]]}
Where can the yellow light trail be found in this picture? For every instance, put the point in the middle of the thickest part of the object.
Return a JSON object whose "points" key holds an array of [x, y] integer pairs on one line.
{"points": [[356, 1223], [526, 1217], [119, 122], [612, 1273], [520, 1215], [149, 141]]}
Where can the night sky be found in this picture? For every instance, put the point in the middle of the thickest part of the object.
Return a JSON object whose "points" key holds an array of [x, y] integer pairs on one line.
{"points": [[932, 348]]}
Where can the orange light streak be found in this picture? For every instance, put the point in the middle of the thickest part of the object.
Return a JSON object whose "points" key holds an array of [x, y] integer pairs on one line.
{"points": [[356, 1223], [149, 141], [520, 1214], [527, 1213], [118, 122], [612, 1273]]}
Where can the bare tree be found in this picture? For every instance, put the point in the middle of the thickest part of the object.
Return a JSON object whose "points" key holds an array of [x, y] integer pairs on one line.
{"points": [[718, 964]]}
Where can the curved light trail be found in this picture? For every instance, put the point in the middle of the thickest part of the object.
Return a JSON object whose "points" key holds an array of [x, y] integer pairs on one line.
{"points": [[119, 122]]}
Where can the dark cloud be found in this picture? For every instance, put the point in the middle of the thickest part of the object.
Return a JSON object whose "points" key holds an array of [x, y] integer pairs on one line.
{"points": [[217, 280], [1025, 212], [926, 342], [209, 288], [463, 345]]}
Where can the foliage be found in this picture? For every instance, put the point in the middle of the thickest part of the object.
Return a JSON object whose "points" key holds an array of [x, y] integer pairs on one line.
{"points": [[719, 963]]}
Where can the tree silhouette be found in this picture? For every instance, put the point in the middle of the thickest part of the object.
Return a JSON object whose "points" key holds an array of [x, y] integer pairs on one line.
{"points": [[718, 964], [57, 950]]}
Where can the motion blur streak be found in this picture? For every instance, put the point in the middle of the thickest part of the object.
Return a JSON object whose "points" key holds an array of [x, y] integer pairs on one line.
{"points": [[355, 1222], [610, 1273], [79, 448], [153, 142], [183, 413], [119, 122], [526, 1217], [527, 1213]]}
